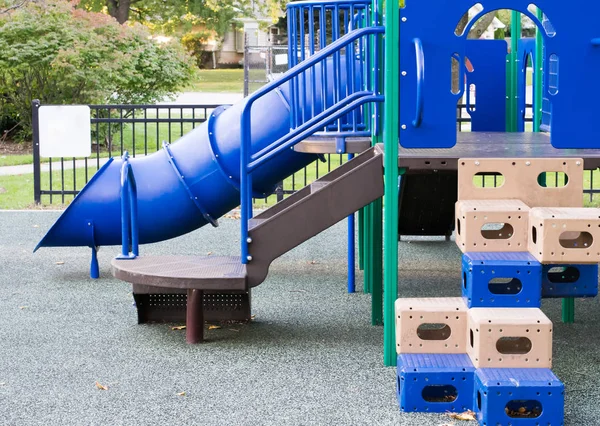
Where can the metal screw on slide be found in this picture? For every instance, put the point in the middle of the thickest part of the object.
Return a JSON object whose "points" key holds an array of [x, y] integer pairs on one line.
{"points": [[249, 258], [248, 240]]}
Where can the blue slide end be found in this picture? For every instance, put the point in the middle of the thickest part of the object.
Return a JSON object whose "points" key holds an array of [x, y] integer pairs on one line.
{"points": [[185, 185]]}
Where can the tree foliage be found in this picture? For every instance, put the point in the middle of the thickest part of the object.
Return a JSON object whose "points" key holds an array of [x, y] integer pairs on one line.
{"points": [[62, 55], [174, 15]]}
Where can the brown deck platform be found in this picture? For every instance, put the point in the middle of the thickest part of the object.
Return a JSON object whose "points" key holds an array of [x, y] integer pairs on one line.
{"points": [[327, 145], [491, 145], [192, 273]]}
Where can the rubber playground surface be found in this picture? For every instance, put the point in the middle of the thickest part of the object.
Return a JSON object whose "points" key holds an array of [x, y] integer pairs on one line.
{"points": [[309, 357]]}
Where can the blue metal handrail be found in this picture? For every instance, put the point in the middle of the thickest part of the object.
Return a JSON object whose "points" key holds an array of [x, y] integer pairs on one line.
{"points": [[129, 216], [249, 162], [420, 82], [312, 25]]}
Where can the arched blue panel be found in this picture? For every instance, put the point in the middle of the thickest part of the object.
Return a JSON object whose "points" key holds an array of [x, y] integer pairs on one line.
{"points": [[525, 49], [428, 100], [488, 58]]}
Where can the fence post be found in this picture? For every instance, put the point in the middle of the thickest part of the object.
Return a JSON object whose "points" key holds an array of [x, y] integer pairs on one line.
{"points": [[35, 117], [246, 65]]}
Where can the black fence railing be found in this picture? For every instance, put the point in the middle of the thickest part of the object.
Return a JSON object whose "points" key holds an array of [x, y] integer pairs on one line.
{"points": [[141, 129]]}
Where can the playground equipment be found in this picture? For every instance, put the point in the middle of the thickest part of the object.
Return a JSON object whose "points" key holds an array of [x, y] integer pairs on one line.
{"points": [[332, 94]]}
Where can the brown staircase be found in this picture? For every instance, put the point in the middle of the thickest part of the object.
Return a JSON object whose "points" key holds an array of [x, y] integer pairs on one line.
{"points": [[273, 232], [313, 209]]}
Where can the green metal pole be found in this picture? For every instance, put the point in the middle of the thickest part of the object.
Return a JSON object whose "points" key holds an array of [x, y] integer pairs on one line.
{"points": [[377, 263], [538, 76], [568, 310], [390, 134], [369, 249], [513, 66], [361, 239]]}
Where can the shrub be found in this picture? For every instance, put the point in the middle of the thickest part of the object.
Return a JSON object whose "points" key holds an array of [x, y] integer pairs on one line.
{"points": [[61, 55]]}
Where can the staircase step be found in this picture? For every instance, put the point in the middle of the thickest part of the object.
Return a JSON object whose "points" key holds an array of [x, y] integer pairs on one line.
{"points": [[315, 186], [312, 210]]}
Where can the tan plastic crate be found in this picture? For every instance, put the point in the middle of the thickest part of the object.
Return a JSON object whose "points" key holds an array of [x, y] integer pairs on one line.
{"points": [[565, 235], [431, 325], [520, 177], [509, 338], [491, 225]]}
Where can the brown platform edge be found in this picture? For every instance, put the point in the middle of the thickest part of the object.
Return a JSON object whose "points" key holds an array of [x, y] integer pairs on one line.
{"points": [[119, 271]]}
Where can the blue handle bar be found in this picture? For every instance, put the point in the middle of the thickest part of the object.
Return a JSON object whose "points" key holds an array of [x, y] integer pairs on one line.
{"points": [[420, 82]]}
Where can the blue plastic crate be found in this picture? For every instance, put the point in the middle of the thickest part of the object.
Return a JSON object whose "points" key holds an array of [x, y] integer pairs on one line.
{"points": [[518, 397], [570, 280], [501, 280], [435, 382]]}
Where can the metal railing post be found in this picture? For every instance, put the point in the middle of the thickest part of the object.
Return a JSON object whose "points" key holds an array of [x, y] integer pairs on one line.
{"points": [[37, 184]]}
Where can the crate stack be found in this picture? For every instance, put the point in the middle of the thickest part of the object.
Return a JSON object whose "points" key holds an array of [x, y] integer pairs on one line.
{"points": [[490, 350]]}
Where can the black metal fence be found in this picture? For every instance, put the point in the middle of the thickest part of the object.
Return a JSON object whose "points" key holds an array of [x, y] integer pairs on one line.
{"points": [[141, 129]]}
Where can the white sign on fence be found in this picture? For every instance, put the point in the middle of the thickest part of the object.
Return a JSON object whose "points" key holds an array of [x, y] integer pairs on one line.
{"points": [[65, 131], [281, 59]]}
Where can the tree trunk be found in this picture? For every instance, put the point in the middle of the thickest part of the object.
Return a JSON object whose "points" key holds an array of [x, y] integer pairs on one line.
{"points": [[119, 9]]}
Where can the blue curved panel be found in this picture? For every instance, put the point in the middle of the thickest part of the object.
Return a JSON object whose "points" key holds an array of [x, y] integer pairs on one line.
{"points": [[434, 23]]}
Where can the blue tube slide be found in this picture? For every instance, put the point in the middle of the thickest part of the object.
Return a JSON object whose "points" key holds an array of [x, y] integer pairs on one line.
{"points": [[185, 185], [195, 180]]}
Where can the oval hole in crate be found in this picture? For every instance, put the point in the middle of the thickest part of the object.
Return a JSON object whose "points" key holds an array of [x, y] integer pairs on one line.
{"points": [[505, 286], [523, 409], [434, 331], [553, 179], [497, 231], [513, 345], [575, 239], [488, 180], [439, 393], [563, 274]]}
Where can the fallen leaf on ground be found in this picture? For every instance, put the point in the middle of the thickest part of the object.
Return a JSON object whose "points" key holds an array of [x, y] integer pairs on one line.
{"points": [[313, 262], [178, 327], [180, 393], [467, 415], [60, 263], [234, 329], [101, 387], [252, 317], [36, 226], [209, 253], [23, 307], [2, 383], [214, 327]]}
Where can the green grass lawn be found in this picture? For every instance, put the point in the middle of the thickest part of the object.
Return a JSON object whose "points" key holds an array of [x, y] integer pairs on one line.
{"points": [[15, 159], [228, 80]]}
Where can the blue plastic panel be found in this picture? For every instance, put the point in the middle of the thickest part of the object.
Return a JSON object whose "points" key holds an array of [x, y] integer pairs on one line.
{"points": [[434, 376], [535, 389], [524, 291], [570, 280], [433, 24], [488, 76], [526, 50]]}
